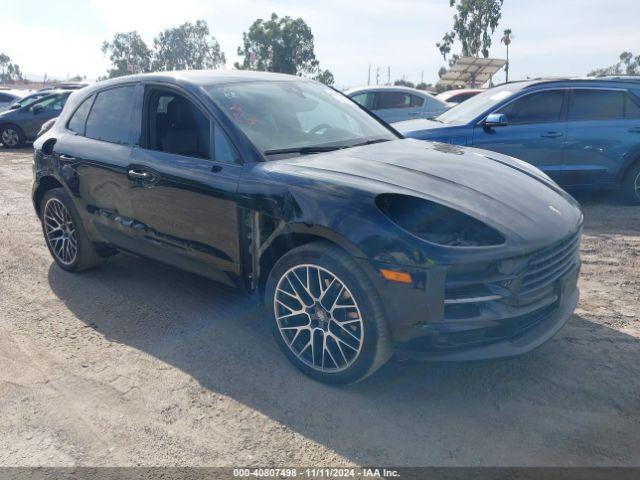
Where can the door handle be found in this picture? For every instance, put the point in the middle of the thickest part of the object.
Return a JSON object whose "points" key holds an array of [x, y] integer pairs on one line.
{"points": [[66, 157], [139, 175], [634, 130], [552, 134]]}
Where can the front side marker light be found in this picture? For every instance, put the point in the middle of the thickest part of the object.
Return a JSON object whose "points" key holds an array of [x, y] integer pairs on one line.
{"points": [[394, 276]]}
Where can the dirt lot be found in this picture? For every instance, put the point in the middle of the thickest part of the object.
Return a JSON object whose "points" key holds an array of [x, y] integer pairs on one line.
{"points": [[139, 364]]}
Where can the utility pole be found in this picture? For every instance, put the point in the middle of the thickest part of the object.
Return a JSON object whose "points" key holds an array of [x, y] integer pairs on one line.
{"points": [[422, 76], [369, 76], [389, 75], [377, 75]]}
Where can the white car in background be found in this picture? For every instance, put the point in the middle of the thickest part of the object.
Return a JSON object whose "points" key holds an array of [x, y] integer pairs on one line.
{"points": [[395, 104], [459, 95]]}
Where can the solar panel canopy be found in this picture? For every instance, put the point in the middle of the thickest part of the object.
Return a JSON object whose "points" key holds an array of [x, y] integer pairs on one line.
{"points": [[472, 71]]}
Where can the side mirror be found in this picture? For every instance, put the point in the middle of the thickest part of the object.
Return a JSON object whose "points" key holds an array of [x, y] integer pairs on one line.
{"points": [[37, 109], [496, 120]]}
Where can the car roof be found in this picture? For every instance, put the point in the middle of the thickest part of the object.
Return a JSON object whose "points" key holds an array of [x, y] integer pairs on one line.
{"points": [[387, 88], [201, 77], [617, 79], [14, 92]]}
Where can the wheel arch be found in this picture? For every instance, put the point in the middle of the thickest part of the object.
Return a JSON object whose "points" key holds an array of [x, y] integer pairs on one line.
{"points": [[292, 237], [45, 183], [632, 159]]}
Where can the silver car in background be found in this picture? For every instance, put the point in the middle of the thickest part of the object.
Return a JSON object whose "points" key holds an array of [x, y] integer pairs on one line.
{"points": [[8, 97], [395, 104]]}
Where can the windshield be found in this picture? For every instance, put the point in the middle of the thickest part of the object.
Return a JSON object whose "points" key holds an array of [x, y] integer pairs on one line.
{"points": [[466, 111], [296, 115], [31, 98]]}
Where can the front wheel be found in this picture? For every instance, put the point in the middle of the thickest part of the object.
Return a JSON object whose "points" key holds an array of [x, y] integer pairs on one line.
{"points": [[326, 315], [11, 136]]}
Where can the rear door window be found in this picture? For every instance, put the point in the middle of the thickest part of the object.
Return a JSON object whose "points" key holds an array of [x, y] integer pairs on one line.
{"points": [[538, 107], [391, 100], [110, 116], [591, 104]]}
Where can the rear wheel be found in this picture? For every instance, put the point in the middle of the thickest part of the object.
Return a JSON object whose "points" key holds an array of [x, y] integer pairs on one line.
{"points": [[64, 234], [12, 136], [326, 315], [631, 185]]}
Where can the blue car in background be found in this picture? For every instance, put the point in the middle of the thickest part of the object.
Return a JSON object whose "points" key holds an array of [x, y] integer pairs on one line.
{"points": [[580, 132]]}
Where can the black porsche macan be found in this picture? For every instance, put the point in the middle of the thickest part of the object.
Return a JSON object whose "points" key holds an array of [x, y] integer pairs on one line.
{"points": [[359, 242]]}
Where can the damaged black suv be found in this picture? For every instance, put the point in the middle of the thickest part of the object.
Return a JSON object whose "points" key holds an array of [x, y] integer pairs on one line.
{"points": [[359, 242]]}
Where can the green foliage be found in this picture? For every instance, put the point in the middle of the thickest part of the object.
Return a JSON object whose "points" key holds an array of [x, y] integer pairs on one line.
{"points": [[628, 65], [127, 49], [325, 76], [188, 46], [404, 83], [11, 72], [283, 45], [424, 86], [473, 24]]}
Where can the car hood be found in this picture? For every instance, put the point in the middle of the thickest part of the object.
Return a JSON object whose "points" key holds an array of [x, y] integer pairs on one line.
{"points": [[419, 125], [504, 192]]}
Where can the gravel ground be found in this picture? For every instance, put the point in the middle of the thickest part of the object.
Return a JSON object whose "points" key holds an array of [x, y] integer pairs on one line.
{"points": [[139, 364]]}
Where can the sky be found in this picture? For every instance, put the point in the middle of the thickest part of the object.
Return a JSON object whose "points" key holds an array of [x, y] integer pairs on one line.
{"points": [[551, 37]]}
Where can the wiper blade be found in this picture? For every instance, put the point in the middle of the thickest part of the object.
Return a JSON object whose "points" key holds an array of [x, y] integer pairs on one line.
{"points": [[370, 142], [302, 150]]}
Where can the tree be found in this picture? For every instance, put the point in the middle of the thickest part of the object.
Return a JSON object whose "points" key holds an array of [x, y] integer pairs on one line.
{"points": [[628, 65], [325, 76], [128, 53], [11, 72], [424, 86], [186, 47], [403, 83], [283, 45], [473, 24], [507, 37]]}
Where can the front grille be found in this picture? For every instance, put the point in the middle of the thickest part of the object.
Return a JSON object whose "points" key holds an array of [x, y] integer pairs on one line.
{"points": [[548, 265], [515, 282]]}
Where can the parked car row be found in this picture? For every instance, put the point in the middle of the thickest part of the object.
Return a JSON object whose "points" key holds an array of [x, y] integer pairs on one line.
{"points": [[583, 133], [22, 123], [359, 241]]}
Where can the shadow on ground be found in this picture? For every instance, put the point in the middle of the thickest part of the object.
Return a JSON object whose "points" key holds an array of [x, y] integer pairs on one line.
{"points": [[573, 401]]}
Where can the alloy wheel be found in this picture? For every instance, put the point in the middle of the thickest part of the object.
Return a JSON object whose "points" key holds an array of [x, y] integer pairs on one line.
{"points": [[60, 231], [318, 318], [10, 137]]}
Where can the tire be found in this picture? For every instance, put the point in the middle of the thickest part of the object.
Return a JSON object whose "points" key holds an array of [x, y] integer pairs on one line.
{"points": [[631, 185], [64, 233], [353, 334], [12, 136]]}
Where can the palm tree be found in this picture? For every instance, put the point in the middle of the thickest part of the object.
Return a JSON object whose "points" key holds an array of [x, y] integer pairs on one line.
{"points": [[506, 39]]}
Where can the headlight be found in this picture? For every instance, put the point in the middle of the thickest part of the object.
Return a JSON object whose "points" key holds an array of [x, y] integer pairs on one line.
{"points": [[436, 223]]}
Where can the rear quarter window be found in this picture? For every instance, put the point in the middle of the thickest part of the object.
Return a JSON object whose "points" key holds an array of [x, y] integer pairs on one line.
{"points": [[78, 120]]}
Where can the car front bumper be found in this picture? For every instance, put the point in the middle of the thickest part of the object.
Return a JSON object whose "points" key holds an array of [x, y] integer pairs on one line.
{"points": [[484, 310]]}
